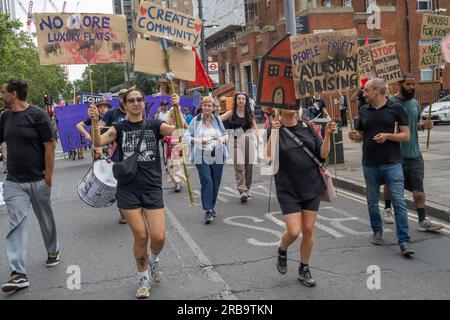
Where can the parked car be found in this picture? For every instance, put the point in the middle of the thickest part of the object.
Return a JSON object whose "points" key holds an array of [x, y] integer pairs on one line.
{"points": [[440, 111]]}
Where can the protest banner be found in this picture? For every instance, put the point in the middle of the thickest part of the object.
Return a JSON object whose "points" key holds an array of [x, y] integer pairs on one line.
{"points": [[170, 24], [67, 118], [276, 83], [87, 98], [365, 63], [65, 38], [182, 62], [324, 62], [152, 105], [434, 26], [386, 62], [430, 55], [445, 48]]}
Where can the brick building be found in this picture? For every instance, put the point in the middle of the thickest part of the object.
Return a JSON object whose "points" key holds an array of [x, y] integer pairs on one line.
{"points": [[239, 49]]}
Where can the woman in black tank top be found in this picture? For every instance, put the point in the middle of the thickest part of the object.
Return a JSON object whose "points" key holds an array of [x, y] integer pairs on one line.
{"points": [[242, 121]]}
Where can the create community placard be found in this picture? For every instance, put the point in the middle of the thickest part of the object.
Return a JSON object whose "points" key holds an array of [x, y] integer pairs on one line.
{"points": [[170, 24]]}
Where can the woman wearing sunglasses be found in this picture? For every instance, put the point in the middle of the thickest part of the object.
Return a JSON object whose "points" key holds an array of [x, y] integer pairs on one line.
{"points": [[141, 200]]}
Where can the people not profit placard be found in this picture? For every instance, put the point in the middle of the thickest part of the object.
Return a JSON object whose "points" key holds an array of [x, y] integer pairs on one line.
{"points": [[325, 62], [170, 24]]}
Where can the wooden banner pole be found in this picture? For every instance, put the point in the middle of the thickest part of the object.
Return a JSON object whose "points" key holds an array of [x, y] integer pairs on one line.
{"points": [[274, 136], [431, 104], [177, 115]]}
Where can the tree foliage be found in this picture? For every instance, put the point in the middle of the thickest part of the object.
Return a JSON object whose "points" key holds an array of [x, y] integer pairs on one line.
{"points": [[19, 58]]}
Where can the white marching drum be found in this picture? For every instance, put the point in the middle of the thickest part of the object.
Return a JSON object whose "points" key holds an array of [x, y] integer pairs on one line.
{"points": [[98, 187]]}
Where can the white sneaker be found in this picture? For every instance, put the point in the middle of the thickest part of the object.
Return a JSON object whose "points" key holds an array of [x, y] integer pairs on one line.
{"points": [[155, 271], [143, 290], [388, 217], [428, 225]]}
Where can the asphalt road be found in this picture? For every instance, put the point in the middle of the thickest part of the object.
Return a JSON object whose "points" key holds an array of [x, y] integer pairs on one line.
{"points": [[232, 258]]}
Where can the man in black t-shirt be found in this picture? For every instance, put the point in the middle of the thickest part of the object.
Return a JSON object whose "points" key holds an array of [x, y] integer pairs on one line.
{"points": [[382, 158], [29, 136]]}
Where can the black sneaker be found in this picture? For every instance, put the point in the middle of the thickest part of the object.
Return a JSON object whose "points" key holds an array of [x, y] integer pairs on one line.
{"points": [[281, 263], [304, 275], [377, 238], [177, 187], [214, 213], [16, 282], [244, 197], [406, 250], [208, 217], [52, 259]]}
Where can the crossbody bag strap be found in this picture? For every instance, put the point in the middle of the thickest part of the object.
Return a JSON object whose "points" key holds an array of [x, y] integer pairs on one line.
{"points": [[308, 152]]}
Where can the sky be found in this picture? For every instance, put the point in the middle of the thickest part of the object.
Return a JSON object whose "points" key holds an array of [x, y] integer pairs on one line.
{"points": [[84, 6]]}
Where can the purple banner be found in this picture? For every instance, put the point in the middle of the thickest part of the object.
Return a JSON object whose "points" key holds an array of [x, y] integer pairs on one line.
{"points": [[67, 118], [70, 115], [152, 105]]}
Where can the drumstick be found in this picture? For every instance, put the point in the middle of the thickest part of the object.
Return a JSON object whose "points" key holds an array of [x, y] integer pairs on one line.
{"points": [[92, 120]]}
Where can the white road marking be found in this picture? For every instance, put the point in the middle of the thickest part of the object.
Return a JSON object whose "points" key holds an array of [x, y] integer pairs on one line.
{"points": [[253, 241], [204, 261]]}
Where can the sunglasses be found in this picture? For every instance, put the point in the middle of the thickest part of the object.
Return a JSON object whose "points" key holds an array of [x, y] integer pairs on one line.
{"points": [[133, 100]]}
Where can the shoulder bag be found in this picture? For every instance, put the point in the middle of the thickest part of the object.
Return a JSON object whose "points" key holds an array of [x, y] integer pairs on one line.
{"points": [[125, 171], [329, 195]]}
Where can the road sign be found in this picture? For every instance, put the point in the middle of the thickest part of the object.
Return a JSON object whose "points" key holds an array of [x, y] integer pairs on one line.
{"points": [[213, 71]]}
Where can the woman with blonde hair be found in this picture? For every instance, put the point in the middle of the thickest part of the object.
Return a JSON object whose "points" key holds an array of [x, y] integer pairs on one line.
{"points": [[207, 137]]}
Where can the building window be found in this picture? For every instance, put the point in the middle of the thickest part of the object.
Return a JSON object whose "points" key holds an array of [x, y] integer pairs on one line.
{"points": [[174, 4], [369, 4], [274, 70], [311, 4], [288, 72], [347, 3], [326, 3], [267, 3], [424, 5]]}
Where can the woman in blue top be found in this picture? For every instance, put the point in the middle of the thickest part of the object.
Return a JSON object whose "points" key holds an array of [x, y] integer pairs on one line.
{"points": [[207, 136]]}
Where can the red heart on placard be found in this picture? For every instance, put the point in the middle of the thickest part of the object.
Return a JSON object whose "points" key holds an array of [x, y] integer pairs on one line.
{"points": [[143, 10], [198, 26]]}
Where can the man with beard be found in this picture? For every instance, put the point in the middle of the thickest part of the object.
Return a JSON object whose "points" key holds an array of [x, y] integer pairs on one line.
{"points": [[413, 165]]}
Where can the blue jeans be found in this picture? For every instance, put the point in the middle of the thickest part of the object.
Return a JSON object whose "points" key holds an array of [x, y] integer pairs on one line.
{"points": [[210, 178], [392, 175]]}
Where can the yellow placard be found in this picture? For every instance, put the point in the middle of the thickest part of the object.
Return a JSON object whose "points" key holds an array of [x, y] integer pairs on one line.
{"points": [[150, 59]]}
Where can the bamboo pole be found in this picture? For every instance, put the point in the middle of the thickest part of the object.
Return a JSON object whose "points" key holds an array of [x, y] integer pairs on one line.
{"points": [[333, 118], [177, 114], [431, 104], [274, 136]]}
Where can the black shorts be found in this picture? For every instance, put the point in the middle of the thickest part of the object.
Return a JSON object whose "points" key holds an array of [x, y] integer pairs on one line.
{"points": [[414, 173], [294, 207], [131, 199]]}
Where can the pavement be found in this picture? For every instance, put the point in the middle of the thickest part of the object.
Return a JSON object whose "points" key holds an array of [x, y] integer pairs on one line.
{"points": [[437, 171], [232, 258]]}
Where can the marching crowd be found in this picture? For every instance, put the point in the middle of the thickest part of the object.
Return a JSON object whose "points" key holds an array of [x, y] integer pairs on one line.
{"points": [[388, 127]]}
